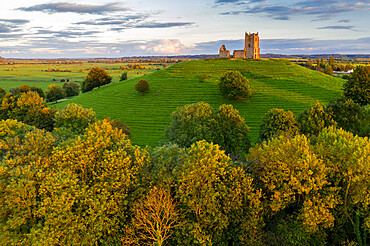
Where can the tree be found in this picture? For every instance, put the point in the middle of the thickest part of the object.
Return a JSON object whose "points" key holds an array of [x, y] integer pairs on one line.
{"points": [[90, 189], [199, 121], [155, 218], [71, 89], [346, 113], [2, 92], [218, 201], [234, 85], [75, 118], [314, 119], [297, 195], [123, 76], [357, 87], [121, 126], [347, 158], [95, 78], [38, 90], [276, 122], [54, 93], [142, 86]]}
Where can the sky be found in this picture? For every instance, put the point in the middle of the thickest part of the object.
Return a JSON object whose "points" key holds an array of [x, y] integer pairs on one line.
{"points": [[104, 28]]}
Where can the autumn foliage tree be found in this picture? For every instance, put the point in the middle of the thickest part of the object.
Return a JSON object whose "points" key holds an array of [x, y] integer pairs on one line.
{"points": [[142, 86], [95, 78]]}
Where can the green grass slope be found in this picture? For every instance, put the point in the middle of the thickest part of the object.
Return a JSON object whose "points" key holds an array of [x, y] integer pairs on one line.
{"points": [[275, 83]]}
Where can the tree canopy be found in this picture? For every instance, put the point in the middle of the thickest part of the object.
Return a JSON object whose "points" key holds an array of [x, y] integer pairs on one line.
{"points": [[234, 85], [96, 77]]}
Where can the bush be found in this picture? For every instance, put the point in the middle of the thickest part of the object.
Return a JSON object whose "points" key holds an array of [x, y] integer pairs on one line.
{"points": [[357, 87], [54, 93], [2, 92], [95, 78], [71, 89], [38, 90], [234, 85], [75, 117], [276, 122], [142, 86], [123, 76]]}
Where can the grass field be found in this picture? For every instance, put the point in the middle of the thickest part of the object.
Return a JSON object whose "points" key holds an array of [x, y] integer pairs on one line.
{"points": [[275, 83], [35, 75]]}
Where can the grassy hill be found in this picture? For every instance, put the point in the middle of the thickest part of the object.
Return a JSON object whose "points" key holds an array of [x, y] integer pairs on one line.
{"points": [[275, 83]]}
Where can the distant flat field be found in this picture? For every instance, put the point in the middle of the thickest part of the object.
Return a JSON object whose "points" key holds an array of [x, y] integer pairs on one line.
{"points": [[276, 84], [35, 74]]}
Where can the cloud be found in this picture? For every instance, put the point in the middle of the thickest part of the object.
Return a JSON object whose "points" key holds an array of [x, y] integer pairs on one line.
{"points": [[64, 7], [164, 46], [15, 21], [344, 21], [4, 29], [121, 20], [163, 25], [67, 33], [323, 10], [11, 25], [337, 27]]}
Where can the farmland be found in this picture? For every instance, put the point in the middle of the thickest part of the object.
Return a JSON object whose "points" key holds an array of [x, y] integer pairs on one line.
{"points": [[41, 74], [276, 83]]}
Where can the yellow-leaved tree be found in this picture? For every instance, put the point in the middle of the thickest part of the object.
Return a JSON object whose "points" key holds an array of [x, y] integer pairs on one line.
{"points": [[86, 199]]}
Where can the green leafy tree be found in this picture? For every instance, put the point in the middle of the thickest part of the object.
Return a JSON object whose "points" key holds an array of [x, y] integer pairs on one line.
{"points": [[2, 92], [357, 87], [346, 113], [71, 89], [142, 86], [199, 121], [38, 90], [314, 119], [276, 122], [347, 158], [75, 117], [54, 93], [234, 85], [122, 126], [95, 78], [123, 76]]}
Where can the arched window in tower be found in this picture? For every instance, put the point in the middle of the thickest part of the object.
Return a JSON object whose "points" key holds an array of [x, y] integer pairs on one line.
{"points": [[249, 45]]}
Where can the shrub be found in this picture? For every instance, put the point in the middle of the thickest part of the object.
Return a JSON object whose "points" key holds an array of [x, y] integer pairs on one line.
{"points": [[123, 76], [24, 88], [2, 92], [71, 89], [14, 90], [234, 85], [357, 87], [38, 90], [75, 117], [276, 122], [54, 93], [142, 86], [95, 78]]}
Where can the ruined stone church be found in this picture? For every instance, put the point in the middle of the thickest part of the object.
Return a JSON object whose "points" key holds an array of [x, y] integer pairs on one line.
{"points": [[251, 48]]}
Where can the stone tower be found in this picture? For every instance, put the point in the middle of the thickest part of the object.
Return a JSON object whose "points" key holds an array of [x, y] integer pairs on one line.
{"points": [[224, 52], [252, 43]]}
